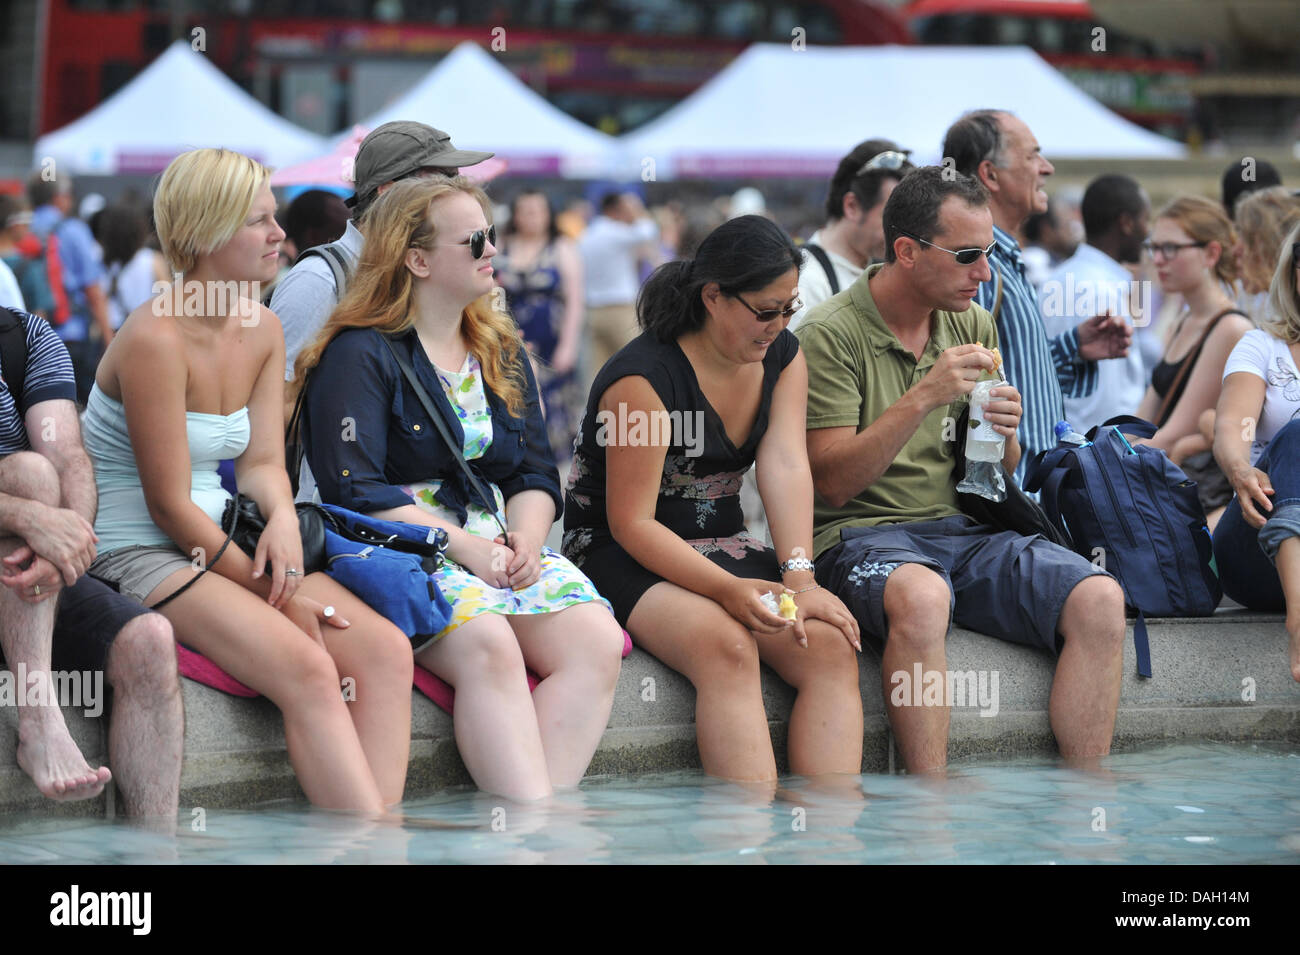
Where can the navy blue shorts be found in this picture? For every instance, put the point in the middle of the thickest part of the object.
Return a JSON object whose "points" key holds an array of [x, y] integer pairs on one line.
{"points": [[89, 617], [1002, 584]]}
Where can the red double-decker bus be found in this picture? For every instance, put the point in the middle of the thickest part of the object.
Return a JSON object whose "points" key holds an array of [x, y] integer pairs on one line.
{"points": [[325, 64]]}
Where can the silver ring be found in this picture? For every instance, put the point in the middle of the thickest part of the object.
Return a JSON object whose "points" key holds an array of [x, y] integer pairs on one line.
{"points": [[327, 612], [36, 590], [292, 572]]}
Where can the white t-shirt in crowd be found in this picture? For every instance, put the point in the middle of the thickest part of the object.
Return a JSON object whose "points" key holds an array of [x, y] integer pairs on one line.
{"points": [[1261, 354], [611, 251], [1082, 286], [134, 287], [814, 286], [11, 296]]}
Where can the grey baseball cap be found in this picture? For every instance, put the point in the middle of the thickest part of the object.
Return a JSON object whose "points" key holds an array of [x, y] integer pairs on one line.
{"points": [[398, 149]]}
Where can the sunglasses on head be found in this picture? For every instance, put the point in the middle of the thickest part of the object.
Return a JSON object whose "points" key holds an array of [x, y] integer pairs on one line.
{"points": [[477, 241], [768, 314], [891, 160], [963, 256]]}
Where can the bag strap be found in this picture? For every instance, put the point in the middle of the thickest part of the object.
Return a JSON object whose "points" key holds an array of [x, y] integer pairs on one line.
{"points": [[997, 295], [1185, 367], [1125, 423], [824, 260], [206, 567], [441, 425], [13, 355]]}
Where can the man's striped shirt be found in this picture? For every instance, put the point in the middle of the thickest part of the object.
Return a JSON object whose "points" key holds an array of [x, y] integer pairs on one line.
{"points": [[48, 376], [1042, 369]]}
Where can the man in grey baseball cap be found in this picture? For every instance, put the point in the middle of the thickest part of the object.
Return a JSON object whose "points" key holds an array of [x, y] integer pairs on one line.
{"points": [[401, 149], [304, 298]]}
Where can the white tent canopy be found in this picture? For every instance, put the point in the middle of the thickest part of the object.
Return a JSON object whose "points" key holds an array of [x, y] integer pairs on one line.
{"points": [[485, 106], [779, 111], [179, 102]]}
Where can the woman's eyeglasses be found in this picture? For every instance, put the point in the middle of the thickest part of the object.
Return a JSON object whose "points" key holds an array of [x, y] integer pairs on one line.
{"points": [[769, 314], [963, 256], [477, 241], [1168, 250]]}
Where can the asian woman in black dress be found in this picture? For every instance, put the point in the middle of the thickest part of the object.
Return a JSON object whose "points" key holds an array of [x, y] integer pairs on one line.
{"points": [[714, 383]]}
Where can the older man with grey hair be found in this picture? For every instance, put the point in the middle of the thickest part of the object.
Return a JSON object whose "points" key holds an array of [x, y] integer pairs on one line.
{"points": [[998, 148]]}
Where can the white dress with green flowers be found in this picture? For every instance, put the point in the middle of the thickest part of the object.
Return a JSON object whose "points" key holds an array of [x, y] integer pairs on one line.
{"points": [[560, 585]]}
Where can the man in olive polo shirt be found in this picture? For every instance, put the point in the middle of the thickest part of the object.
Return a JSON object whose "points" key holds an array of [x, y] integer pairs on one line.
{"points": [[890, 360]]}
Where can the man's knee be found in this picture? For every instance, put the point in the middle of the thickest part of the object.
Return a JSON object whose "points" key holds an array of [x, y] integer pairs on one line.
{"points": [[918, 605], [29, 475], [1094, 613], [143, 657]]}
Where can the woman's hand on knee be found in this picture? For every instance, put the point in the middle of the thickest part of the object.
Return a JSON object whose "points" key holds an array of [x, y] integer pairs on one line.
{"points": [[1253, 488], [821, 604], [308, 615]]}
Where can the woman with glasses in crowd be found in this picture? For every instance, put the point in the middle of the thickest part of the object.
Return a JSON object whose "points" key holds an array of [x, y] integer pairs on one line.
{"points": [[194, 377], [714, 383], [1192, 244], [423, 290], [1257, 443]]}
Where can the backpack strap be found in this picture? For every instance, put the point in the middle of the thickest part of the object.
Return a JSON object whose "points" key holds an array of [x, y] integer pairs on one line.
{"points": [[13, 354], [824, 260], [334, 258]]}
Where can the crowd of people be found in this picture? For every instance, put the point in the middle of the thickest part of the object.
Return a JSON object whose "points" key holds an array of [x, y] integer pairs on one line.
{"points": [[449, 374]]}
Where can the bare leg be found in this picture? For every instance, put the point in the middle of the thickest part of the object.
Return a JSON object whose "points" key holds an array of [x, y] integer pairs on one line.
{"points": [[46, 751], [264, 650], [696, 637], [917, 604], [495, 722], [376, 656], [826, 721], [146, 734], [577, 652], [1288, 571], [1085, 692]]}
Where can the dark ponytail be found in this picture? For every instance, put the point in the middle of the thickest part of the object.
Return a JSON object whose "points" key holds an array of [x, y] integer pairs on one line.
{"points": [[743, 254]]}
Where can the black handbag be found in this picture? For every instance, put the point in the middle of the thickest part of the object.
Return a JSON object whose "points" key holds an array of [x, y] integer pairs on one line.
{"points": [[244, 523], [1019, 512]]}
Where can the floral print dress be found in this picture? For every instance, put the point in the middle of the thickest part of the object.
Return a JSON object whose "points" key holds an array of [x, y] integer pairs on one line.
{"points": [[561, 584], [699, 490]]}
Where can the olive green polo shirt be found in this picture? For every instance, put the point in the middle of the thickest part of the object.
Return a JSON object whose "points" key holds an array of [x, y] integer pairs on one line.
{"points": [[857, 368]]}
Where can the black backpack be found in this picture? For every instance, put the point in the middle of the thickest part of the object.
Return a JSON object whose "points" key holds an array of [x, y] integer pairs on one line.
{"points": [[13, 354]]}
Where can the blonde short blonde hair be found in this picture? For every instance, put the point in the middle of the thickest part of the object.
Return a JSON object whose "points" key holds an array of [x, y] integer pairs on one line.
{"points": [[1263, 218], [201, 201], [1283, 319]]}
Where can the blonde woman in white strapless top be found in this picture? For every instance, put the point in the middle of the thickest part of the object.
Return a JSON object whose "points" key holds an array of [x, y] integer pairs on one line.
{"points": [[197, 375]]}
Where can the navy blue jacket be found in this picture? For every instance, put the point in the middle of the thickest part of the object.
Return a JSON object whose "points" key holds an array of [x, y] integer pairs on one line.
{"points": [[365, 433]]}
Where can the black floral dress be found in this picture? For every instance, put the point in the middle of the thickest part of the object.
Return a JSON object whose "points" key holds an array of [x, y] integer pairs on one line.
{"points": [[699, 491]]}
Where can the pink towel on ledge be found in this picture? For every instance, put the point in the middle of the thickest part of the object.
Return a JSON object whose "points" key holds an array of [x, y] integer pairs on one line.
{"points": [[199, 668]]}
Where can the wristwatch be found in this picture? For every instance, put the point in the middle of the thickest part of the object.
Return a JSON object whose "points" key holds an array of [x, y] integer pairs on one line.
{"points": [[796, 563]]}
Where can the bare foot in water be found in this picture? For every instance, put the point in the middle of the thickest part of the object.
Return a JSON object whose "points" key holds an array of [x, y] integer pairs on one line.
{"points": [[48, 755]]}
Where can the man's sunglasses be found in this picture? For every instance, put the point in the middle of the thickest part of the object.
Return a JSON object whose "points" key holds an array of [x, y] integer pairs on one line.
{"points": [[477, 241], [1295, 255], [768, 314], [891, 160], [963, 256]]}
